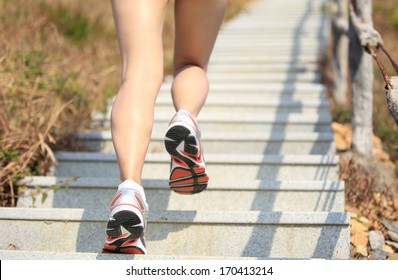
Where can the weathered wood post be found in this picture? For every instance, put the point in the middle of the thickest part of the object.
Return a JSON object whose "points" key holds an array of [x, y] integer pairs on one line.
{"points": [[361, 70], [340, 23]]}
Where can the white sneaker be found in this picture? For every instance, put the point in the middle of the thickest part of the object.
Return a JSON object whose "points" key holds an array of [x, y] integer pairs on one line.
{"points": [[188, 173], [127, 220]]}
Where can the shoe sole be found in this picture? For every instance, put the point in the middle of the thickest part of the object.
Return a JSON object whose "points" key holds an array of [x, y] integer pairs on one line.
{"points": [[192, 179], [129, 250], [129, 221], [116, 247]]}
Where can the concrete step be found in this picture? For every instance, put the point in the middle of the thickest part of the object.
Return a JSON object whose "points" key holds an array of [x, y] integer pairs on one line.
{"points": [[264, 96], [241, 103], [260, 88], [266, 123], [268, 146], [276, 28], [264, 43], [265, 59], [49, 255], [270, 11], [264, 18], [228, 166], [260, 68], [269, 106], [254, 234], [279, 26], [293, 51], [213, 142], [293, 101], [312, 7], [96, 193], [278, 32], [275, 36], [264, 46], [269, 109], [286, 98], [248, 105], [271, 34], [251, 101], [260, 92], [296, 101]]}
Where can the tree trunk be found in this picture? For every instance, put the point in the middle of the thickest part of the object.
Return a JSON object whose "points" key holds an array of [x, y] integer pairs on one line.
{"points": [[361, 70], [340, 22]]}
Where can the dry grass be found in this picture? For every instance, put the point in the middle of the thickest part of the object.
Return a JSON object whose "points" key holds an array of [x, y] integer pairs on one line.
{"points": [[49, 84], [370, 187], [59, 62]]}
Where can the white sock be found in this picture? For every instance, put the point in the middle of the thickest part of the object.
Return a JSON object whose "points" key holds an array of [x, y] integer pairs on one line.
{"points": [[130, 184], [185, 112]]}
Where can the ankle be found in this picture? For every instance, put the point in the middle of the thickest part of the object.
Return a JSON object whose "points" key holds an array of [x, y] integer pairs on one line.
{"points": [[132, 185]]}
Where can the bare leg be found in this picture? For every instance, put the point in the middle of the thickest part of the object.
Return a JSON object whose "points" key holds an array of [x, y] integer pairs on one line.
{"points": [[139, 25], [197, 25]]}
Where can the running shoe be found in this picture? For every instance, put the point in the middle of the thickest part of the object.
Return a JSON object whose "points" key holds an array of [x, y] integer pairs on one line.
{"points": [[188, 173], [127, 220], [124, 245]]}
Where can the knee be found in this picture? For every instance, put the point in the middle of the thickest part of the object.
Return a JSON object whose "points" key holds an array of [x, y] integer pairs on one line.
{"points": [[148, 82], [142, 76]]}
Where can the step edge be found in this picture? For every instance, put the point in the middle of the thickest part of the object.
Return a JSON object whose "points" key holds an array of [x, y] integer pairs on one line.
{"points": [[252, 159], [215, 136], [153, 184], [182, 217]]}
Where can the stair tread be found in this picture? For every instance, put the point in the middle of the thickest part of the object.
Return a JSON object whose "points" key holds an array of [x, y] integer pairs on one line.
{"points": [[49, 255], [265, 87], [212, 217], [328, 160], [230, 136], [214, 184]]}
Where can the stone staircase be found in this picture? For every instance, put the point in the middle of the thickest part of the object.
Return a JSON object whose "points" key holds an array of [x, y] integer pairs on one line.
{"points": [[274, 191]]}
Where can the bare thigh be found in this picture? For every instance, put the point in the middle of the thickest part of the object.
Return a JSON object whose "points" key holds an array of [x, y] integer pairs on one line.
{"points": [[197, 25], [139, 24]]}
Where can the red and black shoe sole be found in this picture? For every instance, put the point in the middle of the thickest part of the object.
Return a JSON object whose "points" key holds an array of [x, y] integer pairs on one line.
{"points": [[192, 178], [128, 220], [116, 247]]}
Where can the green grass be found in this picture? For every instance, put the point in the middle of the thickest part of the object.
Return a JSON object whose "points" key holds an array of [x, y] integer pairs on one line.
{"points": [[74, 24], [342, 114]]}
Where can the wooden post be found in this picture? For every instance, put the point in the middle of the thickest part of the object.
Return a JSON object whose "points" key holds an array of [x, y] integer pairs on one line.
{"points": [[361, 70], [340, 23]]}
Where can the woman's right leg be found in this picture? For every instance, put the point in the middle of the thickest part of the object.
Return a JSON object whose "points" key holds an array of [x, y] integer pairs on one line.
{"points": [[139, 25]]}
